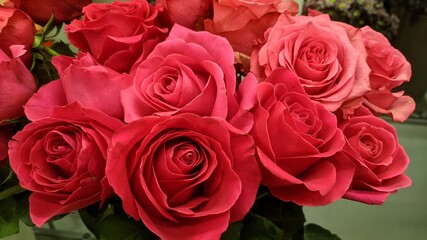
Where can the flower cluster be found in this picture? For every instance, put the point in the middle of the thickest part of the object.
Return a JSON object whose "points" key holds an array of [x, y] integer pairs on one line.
{"points": [[153, 111]]}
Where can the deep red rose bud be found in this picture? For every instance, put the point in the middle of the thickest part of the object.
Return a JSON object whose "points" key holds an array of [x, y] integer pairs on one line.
{"points": [[42, 10], [16, 28]]}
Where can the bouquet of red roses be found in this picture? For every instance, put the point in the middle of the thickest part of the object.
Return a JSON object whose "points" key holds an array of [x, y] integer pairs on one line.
{"points": [[199, 119]]}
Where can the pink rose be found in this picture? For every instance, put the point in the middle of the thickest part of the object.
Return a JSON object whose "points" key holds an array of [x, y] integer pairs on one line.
{"points": [[186, 13], [62, 159], [389, 69], [17, 84], [380, 160], [118, 35], [16, 28], [184, 173], [328, 58], [42, 10], [243, 22], [298, 144], [84, 80], [188, 72]]}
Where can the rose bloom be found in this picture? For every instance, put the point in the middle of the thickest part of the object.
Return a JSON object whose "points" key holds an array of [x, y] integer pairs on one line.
{"points": [[188, 72], [328, 58], [41, 10], [389, 69], [298, 144], [244, 22], [16, 28], [184, 174], [380, 160], [118, 35], [84, 80], [17, 84], [62, 159]]}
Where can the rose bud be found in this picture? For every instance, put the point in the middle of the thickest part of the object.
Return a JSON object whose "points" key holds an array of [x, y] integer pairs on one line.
{"points": [[16, 28], [64, 10]]}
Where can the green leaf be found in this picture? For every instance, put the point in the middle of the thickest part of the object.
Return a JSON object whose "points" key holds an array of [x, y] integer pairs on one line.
{"points": [[23, 208], [256, 227], [115, 227], [10, 191], [9, 219], [6, 173], [110, 222], [316, 232], [233, 231], [286, 215], [62, 48]]}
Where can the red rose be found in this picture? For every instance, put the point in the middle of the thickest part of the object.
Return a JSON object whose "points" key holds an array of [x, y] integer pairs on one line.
{"points": [[188, 72], [328, 57], [16, 28], [117, 34], [84, 80], [389, 69], [42, 10], [380, 160], [61, 159], [186, 13], [243, 23], [17, 84], [298, 144], [183, 173]]}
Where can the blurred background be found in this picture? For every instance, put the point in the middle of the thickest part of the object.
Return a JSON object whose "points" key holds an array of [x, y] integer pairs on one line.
{"points": [[404, 215]]}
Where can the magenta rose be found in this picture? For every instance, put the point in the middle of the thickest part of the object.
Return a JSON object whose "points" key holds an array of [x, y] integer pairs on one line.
{"points": [[62, 159], [42, 10], [298, 144], [84, 80], [17, 84], [16, 28], [380, 160], [389, 69], [188, 72], [184, 173], [243, 22], [118, 35], [327, 56]]}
